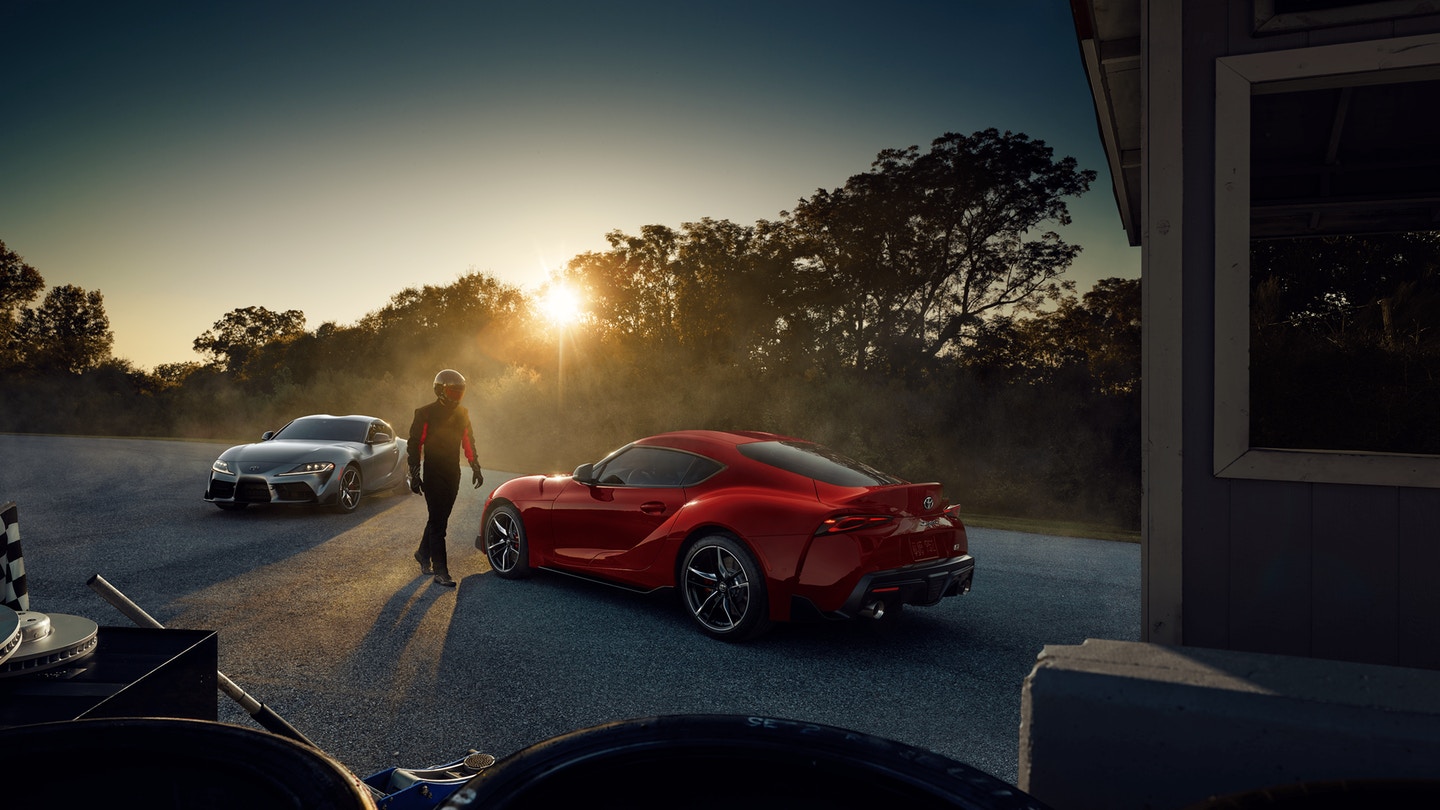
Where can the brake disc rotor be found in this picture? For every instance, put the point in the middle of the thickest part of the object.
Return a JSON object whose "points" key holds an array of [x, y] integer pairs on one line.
{"points": [[48, 641]]}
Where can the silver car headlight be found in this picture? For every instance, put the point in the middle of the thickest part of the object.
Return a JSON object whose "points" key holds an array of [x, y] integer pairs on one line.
{"points": [[222, 466], [311, 468]]}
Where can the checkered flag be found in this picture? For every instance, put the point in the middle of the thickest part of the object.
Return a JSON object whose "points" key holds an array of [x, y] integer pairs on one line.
{"points": [[16, 594]]}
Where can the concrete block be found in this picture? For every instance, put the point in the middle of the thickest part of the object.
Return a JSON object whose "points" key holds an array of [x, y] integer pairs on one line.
{"points": [[1115, 724]]}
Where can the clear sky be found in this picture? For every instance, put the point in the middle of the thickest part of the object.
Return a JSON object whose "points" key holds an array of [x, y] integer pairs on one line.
{"points": [[189, 158]]}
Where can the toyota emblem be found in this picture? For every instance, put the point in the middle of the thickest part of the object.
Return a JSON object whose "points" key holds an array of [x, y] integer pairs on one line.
{"points": [[256, 468], [929, 503]]}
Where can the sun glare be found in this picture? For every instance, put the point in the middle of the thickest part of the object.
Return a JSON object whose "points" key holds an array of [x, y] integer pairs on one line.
{"points": [[561, 306]]}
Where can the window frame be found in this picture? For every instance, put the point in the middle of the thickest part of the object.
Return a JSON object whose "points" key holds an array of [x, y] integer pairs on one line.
{"points": [[1269, 21], [1235, 80]]}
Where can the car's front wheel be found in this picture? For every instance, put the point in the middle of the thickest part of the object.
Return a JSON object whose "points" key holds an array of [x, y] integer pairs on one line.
{"points": [[505, 544], [350, 486], [724, 589]]}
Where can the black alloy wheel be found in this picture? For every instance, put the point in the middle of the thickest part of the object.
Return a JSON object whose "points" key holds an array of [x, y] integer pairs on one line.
{"points": [[724, 589], [504, 543], [350, 485]]}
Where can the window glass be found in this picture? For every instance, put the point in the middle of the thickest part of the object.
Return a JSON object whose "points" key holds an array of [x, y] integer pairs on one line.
{"points": [[1345, 343], [817, 462], [655, 467], [1345, 268], [700, 469], [1324, 267]]}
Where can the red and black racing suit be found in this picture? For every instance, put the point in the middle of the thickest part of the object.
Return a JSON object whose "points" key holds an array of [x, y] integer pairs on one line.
{"points": [[437, 435]]}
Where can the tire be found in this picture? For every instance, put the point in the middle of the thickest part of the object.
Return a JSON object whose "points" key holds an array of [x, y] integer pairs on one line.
{"points": [[196, 763], [723, 589], [351, 487], [505, 544], [720, 762], [230, 506]]}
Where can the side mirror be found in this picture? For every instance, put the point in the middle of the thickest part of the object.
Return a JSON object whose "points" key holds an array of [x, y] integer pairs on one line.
{"points": [[380, 438], [585, 474], [267, 435]]}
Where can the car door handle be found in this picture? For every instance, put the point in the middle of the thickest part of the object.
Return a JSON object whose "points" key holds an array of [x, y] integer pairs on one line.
{"points": [[653, 508]]}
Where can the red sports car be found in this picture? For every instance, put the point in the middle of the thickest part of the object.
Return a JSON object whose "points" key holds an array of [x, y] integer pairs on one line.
{"points": [[751, 528]]}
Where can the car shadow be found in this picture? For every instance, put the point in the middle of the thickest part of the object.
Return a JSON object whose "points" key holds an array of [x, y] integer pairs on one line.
{"points": [[597, 607]]}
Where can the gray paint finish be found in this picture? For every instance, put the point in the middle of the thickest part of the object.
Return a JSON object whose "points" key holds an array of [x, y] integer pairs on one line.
{"points": [[1338, 571]]}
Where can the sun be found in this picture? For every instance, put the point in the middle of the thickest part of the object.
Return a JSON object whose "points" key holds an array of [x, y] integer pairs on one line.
{"points": [[561, 306]]}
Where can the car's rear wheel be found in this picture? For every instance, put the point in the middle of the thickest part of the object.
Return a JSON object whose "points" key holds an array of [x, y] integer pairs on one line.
{"points": [[505, 544], [724, 589], [350, 487]]}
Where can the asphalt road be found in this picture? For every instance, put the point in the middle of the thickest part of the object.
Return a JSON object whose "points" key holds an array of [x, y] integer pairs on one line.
{"points": [[324, 618]]}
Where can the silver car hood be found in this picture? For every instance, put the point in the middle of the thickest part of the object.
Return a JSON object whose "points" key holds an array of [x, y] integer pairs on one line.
{"points": [[275, 452]]}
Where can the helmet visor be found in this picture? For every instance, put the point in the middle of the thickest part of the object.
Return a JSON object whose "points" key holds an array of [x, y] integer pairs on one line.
{"points": [[454, 392]]}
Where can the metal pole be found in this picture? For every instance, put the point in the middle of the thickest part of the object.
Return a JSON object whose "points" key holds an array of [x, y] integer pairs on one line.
{"points": [[262, 713]]}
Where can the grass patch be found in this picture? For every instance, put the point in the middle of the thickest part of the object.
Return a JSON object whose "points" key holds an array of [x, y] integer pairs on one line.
{"points": [[1058, 528]]}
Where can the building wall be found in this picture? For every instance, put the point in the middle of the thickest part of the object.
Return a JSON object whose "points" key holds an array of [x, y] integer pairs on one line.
{"points": [[1326, 570]]}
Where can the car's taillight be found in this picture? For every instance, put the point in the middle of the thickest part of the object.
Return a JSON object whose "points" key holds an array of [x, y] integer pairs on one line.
{"points": [[850, 523]]}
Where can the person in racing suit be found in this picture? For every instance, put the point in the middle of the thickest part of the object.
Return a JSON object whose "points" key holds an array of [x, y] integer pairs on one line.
{"points": [[438, 434]]}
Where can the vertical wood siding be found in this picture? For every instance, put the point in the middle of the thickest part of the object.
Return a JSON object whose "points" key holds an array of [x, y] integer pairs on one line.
{"points": [[1346, 572]]}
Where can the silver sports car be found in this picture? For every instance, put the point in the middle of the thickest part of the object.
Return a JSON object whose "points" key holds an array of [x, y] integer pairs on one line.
{"points": [[320, 459]]}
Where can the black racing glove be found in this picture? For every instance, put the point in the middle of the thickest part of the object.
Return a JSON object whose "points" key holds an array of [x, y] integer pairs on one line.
{"points": [[475, 477], [415, 485]]}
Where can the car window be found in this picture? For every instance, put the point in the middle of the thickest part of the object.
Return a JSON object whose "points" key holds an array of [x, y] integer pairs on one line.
{"points": [[378, 426], [326, 430], [818, 462], [655, 467], [700, 469]]}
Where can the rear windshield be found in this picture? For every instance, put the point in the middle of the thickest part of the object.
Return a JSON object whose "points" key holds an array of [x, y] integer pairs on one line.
{"points": [[815, 461]]}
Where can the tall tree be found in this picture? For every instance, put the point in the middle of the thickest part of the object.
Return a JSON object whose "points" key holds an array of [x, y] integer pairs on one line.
{"points": [[631, 290], [697, 289], [1106, 325], [19, 285], [468, 303], [726, 303], [1094, 338], [231, 340], [902, 262], [69, 331]]}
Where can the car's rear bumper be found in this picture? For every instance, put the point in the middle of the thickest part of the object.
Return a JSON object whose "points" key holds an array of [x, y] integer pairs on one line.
{"points": [[920, 584]]}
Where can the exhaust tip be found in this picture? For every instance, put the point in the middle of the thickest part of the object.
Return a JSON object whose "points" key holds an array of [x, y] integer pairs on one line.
{"points": [[874, 610]]}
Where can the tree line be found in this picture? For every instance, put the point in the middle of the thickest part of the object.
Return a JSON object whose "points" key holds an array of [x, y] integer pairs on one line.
{"points": [[916, 317]]}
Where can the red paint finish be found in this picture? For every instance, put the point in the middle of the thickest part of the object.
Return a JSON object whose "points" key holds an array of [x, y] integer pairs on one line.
{"points": [[829, 546]]}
